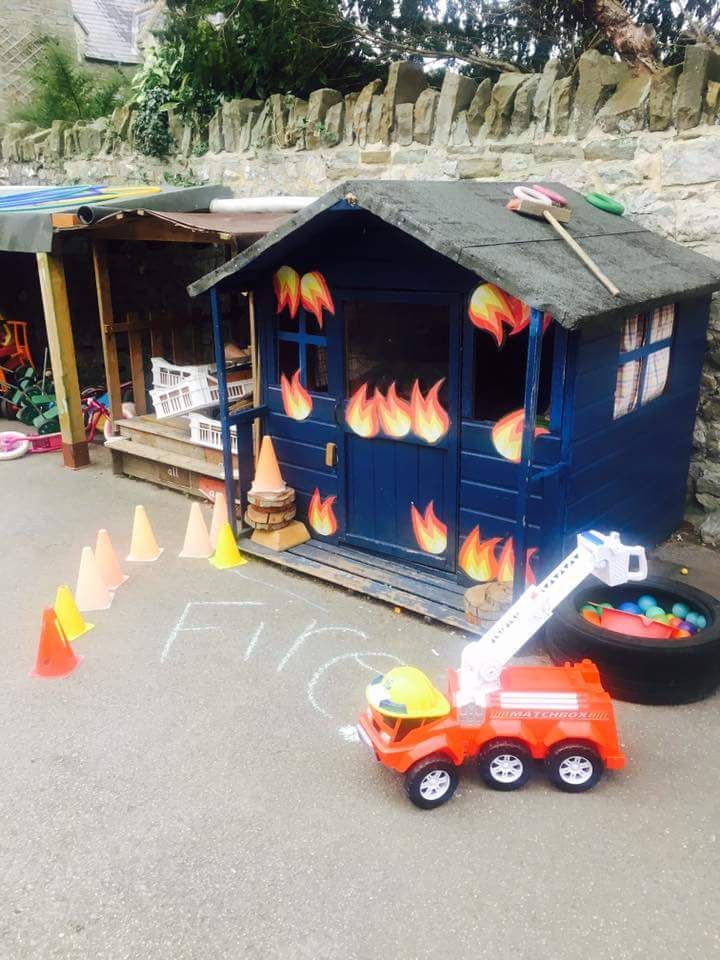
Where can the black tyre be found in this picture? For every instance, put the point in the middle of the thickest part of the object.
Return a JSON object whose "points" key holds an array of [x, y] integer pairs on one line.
{"points": [[574, 767], [431, 782], [637, 669], [506, 765]]}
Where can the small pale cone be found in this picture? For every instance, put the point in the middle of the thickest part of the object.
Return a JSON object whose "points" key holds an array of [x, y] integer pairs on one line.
{"points": [[107, 561], [197, 539], [143, 546], [91, 591], [268, 478], [219, 517], [69, 617]]}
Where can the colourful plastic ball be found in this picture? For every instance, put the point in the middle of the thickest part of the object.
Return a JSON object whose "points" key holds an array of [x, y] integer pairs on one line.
{"points": [[654, 611], [680, 610], [588, 607], [688, 627], [675, 621], [691, 617], [646, 601], [630, 608], [701, 622], [607, 606]]}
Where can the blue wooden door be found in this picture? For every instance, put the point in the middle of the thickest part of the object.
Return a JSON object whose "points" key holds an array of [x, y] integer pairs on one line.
{"points": [[398, 416]]}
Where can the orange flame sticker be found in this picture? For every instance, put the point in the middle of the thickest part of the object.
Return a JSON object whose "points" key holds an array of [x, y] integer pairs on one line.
{"points": [[315, 295], [361, 414], [321, 515], [297, 402], [489, 309], [430, 533], [430, 421], [477, 557], [394, 413], [506, 564], [286, 283], [507, 435]]}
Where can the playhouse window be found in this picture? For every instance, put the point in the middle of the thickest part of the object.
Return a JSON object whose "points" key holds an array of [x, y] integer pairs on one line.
{"points": [[645, 343], [301, 350], [499, 385]]}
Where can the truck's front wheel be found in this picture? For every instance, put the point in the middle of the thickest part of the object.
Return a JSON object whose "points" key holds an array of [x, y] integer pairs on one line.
{"points": [[505, 766], [431, 782]]}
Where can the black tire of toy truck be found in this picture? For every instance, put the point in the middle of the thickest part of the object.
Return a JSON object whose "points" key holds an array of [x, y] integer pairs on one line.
{"points": [[491, 755], [574, 767], [635, 669], [419, 777]]}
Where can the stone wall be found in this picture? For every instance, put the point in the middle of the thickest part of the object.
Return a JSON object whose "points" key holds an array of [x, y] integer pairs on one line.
{"points": [[654, 143]]}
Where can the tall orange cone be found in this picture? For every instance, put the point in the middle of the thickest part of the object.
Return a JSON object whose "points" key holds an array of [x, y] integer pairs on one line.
{"points": [[268, 478], [91, 591], [143, 546], [219, 517], [197, 543], [107, 561], [72, 623], [55, 656], [227, 554]]}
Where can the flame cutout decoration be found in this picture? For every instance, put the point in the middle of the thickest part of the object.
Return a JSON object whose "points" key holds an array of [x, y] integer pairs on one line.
{"points": [[394, 414], [286, 283], [506, 564], [297, 402], [430, 533], [507, 435], [315, 295], [321, 515], [361, 414], [489, 309], [477, 557], [430, 421]]}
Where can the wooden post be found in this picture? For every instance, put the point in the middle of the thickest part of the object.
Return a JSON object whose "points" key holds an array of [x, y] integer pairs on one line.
{"points": [[109, 343], [137, 371], [532, 381], [56, 308]]}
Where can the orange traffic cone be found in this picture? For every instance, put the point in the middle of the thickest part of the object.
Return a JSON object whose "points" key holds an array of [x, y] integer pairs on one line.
{"points": [[91, 591], [197, 539], [219, 517], [107, 561], [268, 478], [143, 546], [55, 656]]}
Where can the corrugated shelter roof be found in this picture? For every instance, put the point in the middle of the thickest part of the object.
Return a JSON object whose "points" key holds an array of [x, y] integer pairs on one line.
{"points": [[26, 216], [469, 224], [110, 29]]}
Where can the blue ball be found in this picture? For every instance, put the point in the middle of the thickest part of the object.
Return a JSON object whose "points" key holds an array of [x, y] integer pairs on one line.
{"points": [[701, 622], [646, 601], [680, 610], [630, 608]]}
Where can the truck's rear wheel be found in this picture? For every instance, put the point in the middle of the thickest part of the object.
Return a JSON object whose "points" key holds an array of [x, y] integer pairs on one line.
{"points": [[431, 782], [505, 766], [574, 767]]}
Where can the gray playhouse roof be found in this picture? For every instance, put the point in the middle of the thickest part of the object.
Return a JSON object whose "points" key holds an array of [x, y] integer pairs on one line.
{"points": [[468, 223]]}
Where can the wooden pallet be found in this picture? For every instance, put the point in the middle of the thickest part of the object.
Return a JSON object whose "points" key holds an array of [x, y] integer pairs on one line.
{"points": [[162, 452], [422, 591]]}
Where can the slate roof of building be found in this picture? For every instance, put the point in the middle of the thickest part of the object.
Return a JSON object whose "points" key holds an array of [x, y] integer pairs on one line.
{"points": [[110, 29], [468, 222]]}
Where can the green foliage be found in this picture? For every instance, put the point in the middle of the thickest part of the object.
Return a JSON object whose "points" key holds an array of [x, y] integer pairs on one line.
{"points": [[152, 127], [62, 90]]}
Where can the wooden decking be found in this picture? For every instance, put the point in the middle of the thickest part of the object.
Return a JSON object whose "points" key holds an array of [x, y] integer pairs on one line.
{"points": [[421, 591]]}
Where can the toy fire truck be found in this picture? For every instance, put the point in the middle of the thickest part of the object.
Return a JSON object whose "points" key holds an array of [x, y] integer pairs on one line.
{"points": [[506, 717]]}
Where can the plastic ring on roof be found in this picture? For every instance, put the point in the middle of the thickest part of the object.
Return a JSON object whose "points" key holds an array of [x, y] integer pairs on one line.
{"points": [[557, 198], [527, 193], [603, 202]]}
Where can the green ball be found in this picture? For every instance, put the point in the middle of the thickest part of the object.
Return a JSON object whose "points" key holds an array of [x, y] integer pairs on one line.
{"points": [[654, 613], [607, 606]]}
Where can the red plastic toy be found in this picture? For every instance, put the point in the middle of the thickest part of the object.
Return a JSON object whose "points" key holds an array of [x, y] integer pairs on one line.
{"points": [[505, 717]]}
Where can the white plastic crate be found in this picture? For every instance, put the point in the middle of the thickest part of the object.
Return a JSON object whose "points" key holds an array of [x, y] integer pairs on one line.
{"points": [[166, 374], [206, 432], [195, 393]]}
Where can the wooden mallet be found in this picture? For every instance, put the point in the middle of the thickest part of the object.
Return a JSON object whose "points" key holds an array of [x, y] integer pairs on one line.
{"points": [[534, 203]]}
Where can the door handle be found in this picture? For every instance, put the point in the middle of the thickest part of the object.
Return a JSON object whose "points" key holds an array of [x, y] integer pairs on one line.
{"points": [[330, 454]]}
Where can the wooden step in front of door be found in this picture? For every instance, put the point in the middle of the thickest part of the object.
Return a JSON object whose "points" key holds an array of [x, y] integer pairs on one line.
{"points": [[161, 451]]}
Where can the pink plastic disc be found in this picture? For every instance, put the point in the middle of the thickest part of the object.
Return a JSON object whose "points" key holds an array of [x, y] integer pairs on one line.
{"points": [[556, 198]]}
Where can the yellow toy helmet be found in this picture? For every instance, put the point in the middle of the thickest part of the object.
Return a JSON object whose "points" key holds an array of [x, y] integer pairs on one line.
{"points": [[405, 692]]}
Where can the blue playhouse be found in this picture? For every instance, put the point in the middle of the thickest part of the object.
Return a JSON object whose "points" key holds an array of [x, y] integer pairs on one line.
{"points": [[453, 394]]}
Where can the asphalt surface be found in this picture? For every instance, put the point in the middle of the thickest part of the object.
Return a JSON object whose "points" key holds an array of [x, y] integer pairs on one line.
{"points": [[194, 793]]}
